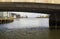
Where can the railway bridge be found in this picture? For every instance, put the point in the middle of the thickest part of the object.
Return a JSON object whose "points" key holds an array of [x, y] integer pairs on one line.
{"points": [[52, 9]]}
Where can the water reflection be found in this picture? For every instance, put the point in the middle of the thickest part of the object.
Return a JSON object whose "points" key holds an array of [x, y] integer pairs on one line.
{"points": [[28, 23]]}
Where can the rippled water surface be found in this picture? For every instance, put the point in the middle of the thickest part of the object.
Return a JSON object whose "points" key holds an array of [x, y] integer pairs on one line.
{"points": [[28, 28]]}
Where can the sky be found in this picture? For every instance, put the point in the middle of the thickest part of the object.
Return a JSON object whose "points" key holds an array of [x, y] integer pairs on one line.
{"points": [[30, 14]]}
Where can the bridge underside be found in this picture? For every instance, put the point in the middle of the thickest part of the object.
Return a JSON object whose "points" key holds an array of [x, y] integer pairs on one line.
{"points": [[52, 9], [54, 21]]}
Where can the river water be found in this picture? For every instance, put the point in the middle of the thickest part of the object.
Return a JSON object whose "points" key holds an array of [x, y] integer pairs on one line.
{"points": [[28, 28]]}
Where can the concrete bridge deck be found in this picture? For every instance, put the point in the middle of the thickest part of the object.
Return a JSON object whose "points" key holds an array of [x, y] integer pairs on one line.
{"points": [[52, 9]]}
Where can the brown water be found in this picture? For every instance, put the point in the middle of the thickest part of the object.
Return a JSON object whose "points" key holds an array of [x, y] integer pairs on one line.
{"points": [[30, 34], [24, 34], [22, 29]]}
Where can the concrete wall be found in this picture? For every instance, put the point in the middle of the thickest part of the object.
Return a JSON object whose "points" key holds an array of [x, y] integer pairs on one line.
{"points": [[44, 1], [40, 1]]}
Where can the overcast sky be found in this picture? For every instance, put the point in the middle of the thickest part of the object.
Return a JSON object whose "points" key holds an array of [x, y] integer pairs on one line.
{"points": [[29, 14]]}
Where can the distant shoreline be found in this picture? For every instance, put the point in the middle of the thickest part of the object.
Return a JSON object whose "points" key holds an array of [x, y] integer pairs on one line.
{"points": [[42, 17]]}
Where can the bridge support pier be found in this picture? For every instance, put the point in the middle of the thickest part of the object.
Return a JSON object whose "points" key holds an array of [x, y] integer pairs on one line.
{"points": [[54, 21]]}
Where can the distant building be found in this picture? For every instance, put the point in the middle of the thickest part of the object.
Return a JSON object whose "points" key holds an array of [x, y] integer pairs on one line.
{"points": [[43, 16], [5, 17], [24, 16], [18, 16], [4, 14]]}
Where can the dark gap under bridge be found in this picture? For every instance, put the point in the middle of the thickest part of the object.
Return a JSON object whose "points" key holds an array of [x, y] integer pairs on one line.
{"points": [[52, 9]]}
